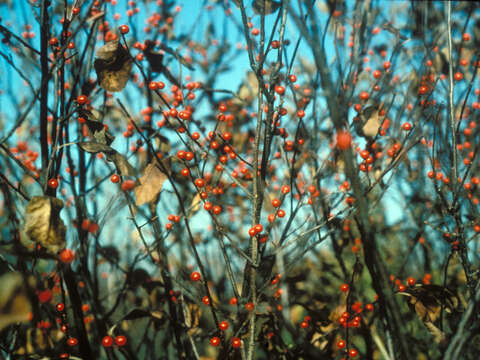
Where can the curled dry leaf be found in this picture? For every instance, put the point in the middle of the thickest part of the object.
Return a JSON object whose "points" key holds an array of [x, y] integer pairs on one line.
{"points": [[120, 161], [150, 184], [95, 17], [113, 65], [38, 341], [175, 53], [192, 313], [196, 204], [265, 6], [441, 61], [122, 164], [297, 312], [370, 121], [14, 302], [93, 122], [95, 147], [155, 60], [248, 90], [103, 136], [162, 143], [427, 301], [43, 223], [438, 335], [136, 314]]}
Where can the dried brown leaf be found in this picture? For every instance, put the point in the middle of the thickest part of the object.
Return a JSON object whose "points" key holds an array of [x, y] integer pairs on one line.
{"points": [[438, 335], [14, 303], [113, 65], [43, 223], [35, 341], [248, 90], [427, 301], [163, 144], [193, 312], [95, 147], [372, 121], [196, 204], [121, 163], [265, 6], [150, 184]]}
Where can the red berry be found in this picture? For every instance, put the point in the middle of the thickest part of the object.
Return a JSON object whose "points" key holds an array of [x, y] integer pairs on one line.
{"points": [[195, 276], [45, 296], [72, 342], [292, 78], [223, 325], [189, 155], [353, 353], [236, 342], [199, 183], [407, 126], [377, 74], [422, 90], [344, 288], [341, 344], [60, 307], [128, 185], [67, 256], [53, 183], [227, 136], [411, 281], [185, 115], [304, 324], [120, 340], [249, 306], [386, 65], [458, 76], [280, 90], [206, 300], [207, 205], [107, 341], [215, 341], [364, 154], [124, 29], [344, 140], [115, 178], [82, 99], [153, 85], [364, 95]]}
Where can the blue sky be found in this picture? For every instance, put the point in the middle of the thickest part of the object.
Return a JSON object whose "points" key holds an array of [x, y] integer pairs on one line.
{"points": [[192, 21]]}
